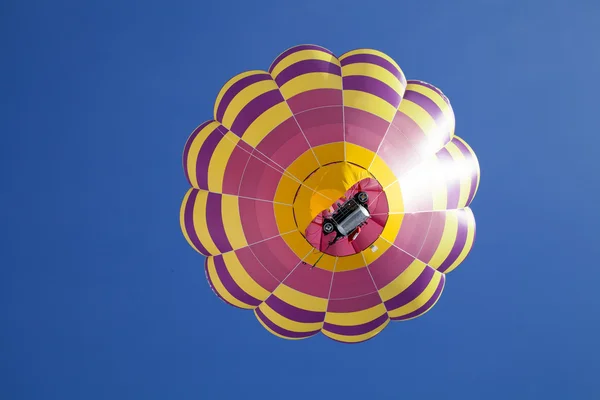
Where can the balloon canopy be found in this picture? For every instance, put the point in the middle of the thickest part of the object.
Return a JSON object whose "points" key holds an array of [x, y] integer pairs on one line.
{"points": [[290, 149]]}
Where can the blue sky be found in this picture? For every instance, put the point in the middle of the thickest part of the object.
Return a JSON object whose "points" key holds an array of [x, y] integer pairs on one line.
{"points": [[100, 295]]}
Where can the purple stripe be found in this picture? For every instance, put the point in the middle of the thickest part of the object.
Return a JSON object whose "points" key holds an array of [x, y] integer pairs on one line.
{"points": [[452, 181], [360, 341], [254, 109], [377, 60], [471, 159], [356, 329], [230, 284], [214, 221], [283, 332], [188, 220], [430, 86], [212, 286], [235, 89], [411, 292], [294, 313], [459, 242], [306, 67], [296, 49], [204, 155], [427, 305], [427, 104], [188, 144], [373, 86]]}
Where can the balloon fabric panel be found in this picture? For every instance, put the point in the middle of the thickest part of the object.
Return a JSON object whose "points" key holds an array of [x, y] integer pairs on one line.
{"points": [[285, 149]]}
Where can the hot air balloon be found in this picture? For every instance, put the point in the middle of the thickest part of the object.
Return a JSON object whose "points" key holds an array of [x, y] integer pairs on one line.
{"points": [[329, 194]]}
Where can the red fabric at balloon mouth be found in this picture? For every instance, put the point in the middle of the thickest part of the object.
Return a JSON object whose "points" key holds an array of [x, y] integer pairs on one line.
{"points": [[378, 208]]}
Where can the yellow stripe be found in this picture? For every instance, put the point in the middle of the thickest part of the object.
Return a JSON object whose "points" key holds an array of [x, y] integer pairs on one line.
{"points": [[195, 150], [421, 117], [348, 263], [370, 103], [287, 323], [297, 243], [355, 318], [326, 263], [230, 83], [218, 285], [286, 190], [242, 278], [219, 160], [403, 281], [303, 55], [333, 180], [273, 332], [232, 222], [462, 171], [304, 165], [359, 155], [299, 299], [468, 243], [374, 71], [394, 198], [380, 170], [372, 52], [307, 205], [329, 153], [284, 217], [392, 227], [356, 338], [447, 241], [420, 301], [265, 123], [243, 98], [200, 224], [310, 81], [182, 219], [435, 97]]}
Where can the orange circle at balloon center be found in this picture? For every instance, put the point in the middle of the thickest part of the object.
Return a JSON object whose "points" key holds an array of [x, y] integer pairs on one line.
{"points": [[323, 188], [320, 193]]}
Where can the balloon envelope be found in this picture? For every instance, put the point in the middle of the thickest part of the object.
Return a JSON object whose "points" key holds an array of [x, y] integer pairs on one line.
{"points": [[284, 148]]}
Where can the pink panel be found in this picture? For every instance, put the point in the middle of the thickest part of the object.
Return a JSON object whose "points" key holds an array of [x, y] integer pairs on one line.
{"points": [[276, 256], [389, 266], [398, 153], [322, 125], [354, 304], [352, 284], [256, 270], [313, 281], [258, 220], [315, 98], [259, 180], [364, 129], [284, 144]]}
